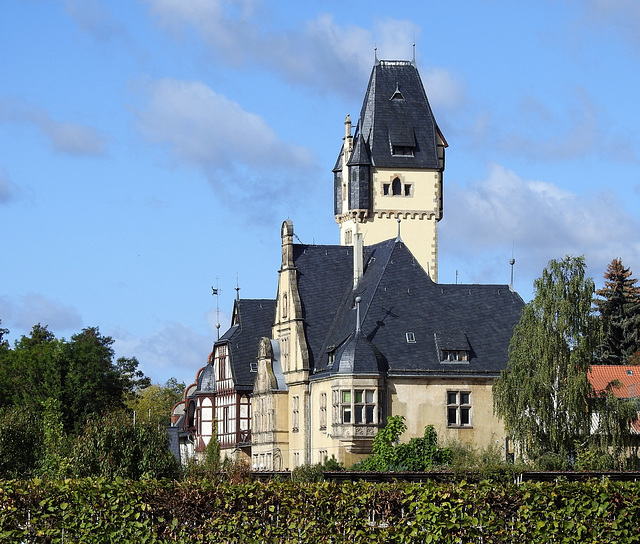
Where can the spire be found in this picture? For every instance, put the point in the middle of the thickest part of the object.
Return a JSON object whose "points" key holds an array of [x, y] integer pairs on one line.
{"points": [[358, 258]]}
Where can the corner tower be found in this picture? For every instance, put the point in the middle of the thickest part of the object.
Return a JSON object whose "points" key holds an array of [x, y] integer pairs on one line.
{"points": [[392, 167]]}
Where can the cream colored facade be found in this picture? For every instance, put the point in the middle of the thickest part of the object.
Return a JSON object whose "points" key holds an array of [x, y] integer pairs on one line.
{"points": [[418, 207]]}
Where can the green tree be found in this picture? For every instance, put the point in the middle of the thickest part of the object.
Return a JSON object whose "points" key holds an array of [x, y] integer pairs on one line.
{"points": [[21, 442], [542, 396], [79, 373], [153, 404], [619, 308], [112, 445]]}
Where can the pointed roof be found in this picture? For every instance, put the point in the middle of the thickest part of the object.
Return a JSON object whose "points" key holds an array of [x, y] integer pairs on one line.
{"points": [[252, 319], [360, 155], [396, 112]]}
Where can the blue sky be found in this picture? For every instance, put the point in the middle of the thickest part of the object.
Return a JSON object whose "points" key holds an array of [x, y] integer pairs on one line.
{"points": [[151, 149]]}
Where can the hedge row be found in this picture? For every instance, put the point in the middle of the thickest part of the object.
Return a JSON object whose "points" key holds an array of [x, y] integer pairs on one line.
{"points": [[123, 511]]}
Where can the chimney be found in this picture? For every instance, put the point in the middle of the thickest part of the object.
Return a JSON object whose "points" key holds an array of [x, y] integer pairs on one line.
{"points": [[358, 257]]}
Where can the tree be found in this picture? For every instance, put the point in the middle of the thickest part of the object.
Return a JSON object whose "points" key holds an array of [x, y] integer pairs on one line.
{"points": [[153, 404], [79, 373], [543, 394], [112, 445], [620, 314]]}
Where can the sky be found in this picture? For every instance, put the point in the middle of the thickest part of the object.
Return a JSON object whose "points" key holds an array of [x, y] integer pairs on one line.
{"points": [[150, 149]]}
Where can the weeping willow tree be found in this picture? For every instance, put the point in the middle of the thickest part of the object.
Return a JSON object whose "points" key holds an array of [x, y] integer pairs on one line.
{"points": [[543, 394]]}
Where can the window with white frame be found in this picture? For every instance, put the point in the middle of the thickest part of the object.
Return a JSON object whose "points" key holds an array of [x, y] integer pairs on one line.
{"points": [[356, 406], [458, 408]]}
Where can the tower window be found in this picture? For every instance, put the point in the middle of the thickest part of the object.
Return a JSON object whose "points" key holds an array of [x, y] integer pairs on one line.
{"points": [[396, 187], [402, 150]]}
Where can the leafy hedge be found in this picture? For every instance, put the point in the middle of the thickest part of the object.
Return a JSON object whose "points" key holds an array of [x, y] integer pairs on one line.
{"points": [[125, 511]]}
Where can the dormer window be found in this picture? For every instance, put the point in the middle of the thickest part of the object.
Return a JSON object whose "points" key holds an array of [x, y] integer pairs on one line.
{"points": [[402, 150], [454, 355], [453, 347], [411, 338]]}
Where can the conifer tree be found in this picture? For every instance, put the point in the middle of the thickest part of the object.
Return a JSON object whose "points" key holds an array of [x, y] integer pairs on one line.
{"points": [[542, 396], [620, 314]]}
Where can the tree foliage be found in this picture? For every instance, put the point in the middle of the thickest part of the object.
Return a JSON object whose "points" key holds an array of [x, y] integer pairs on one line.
{"points": [[112, 445], [80, 374], [418, 454], [619, 308], [542, 396], [153, 404]]}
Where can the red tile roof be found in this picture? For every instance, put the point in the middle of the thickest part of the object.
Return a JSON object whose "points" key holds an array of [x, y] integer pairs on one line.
{"points": [[601, 376]]}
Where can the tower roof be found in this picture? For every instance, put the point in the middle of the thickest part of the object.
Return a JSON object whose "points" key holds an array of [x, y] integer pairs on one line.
{"points": [[396, 114]]}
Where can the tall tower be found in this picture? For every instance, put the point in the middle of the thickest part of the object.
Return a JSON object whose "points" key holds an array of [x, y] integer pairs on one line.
{"points": [[392, 167]]}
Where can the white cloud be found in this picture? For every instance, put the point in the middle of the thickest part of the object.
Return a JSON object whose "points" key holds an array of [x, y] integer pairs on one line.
{"points": [[8, 190], [92, 17], [243, 158], [173, 351], [542, 220], [320, 53], [616, 17], [63, 136], [23, 312], [204, 127]]}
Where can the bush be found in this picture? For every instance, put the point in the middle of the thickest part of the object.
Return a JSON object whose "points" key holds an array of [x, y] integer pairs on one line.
{"points": [[113, 446], [21, 443]]}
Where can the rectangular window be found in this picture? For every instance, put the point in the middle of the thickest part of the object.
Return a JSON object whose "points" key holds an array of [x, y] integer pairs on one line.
{"points": [[407, 189], [455, 355], [359, 406], [323, 411], [295, 416], [386, 187], [458, 408]]}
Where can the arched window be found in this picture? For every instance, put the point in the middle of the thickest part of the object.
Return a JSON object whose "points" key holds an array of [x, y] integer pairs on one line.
{"points": [[396, 187]]}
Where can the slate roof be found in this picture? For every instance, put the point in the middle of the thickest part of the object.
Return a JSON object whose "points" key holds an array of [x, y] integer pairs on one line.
{"points": [[396, 111], [324, 274], [398, 297], [252, 320]]}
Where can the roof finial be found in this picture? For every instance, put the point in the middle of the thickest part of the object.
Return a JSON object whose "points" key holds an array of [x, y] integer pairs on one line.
{"points": [[512, 262], [375, 56], [398, 239], [237, 288], [358, 299], [413, 60], [216, 292]]}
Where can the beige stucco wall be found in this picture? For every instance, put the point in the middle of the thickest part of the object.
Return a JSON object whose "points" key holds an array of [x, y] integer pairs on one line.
{"points": [[424, 402], [419, 214]]}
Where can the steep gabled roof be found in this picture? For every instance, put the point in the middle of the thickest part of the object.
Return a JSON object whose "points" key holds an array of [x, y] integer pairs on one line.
{"points": [[252, 319], [396, 112], [403, 312], [324, 273]]}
